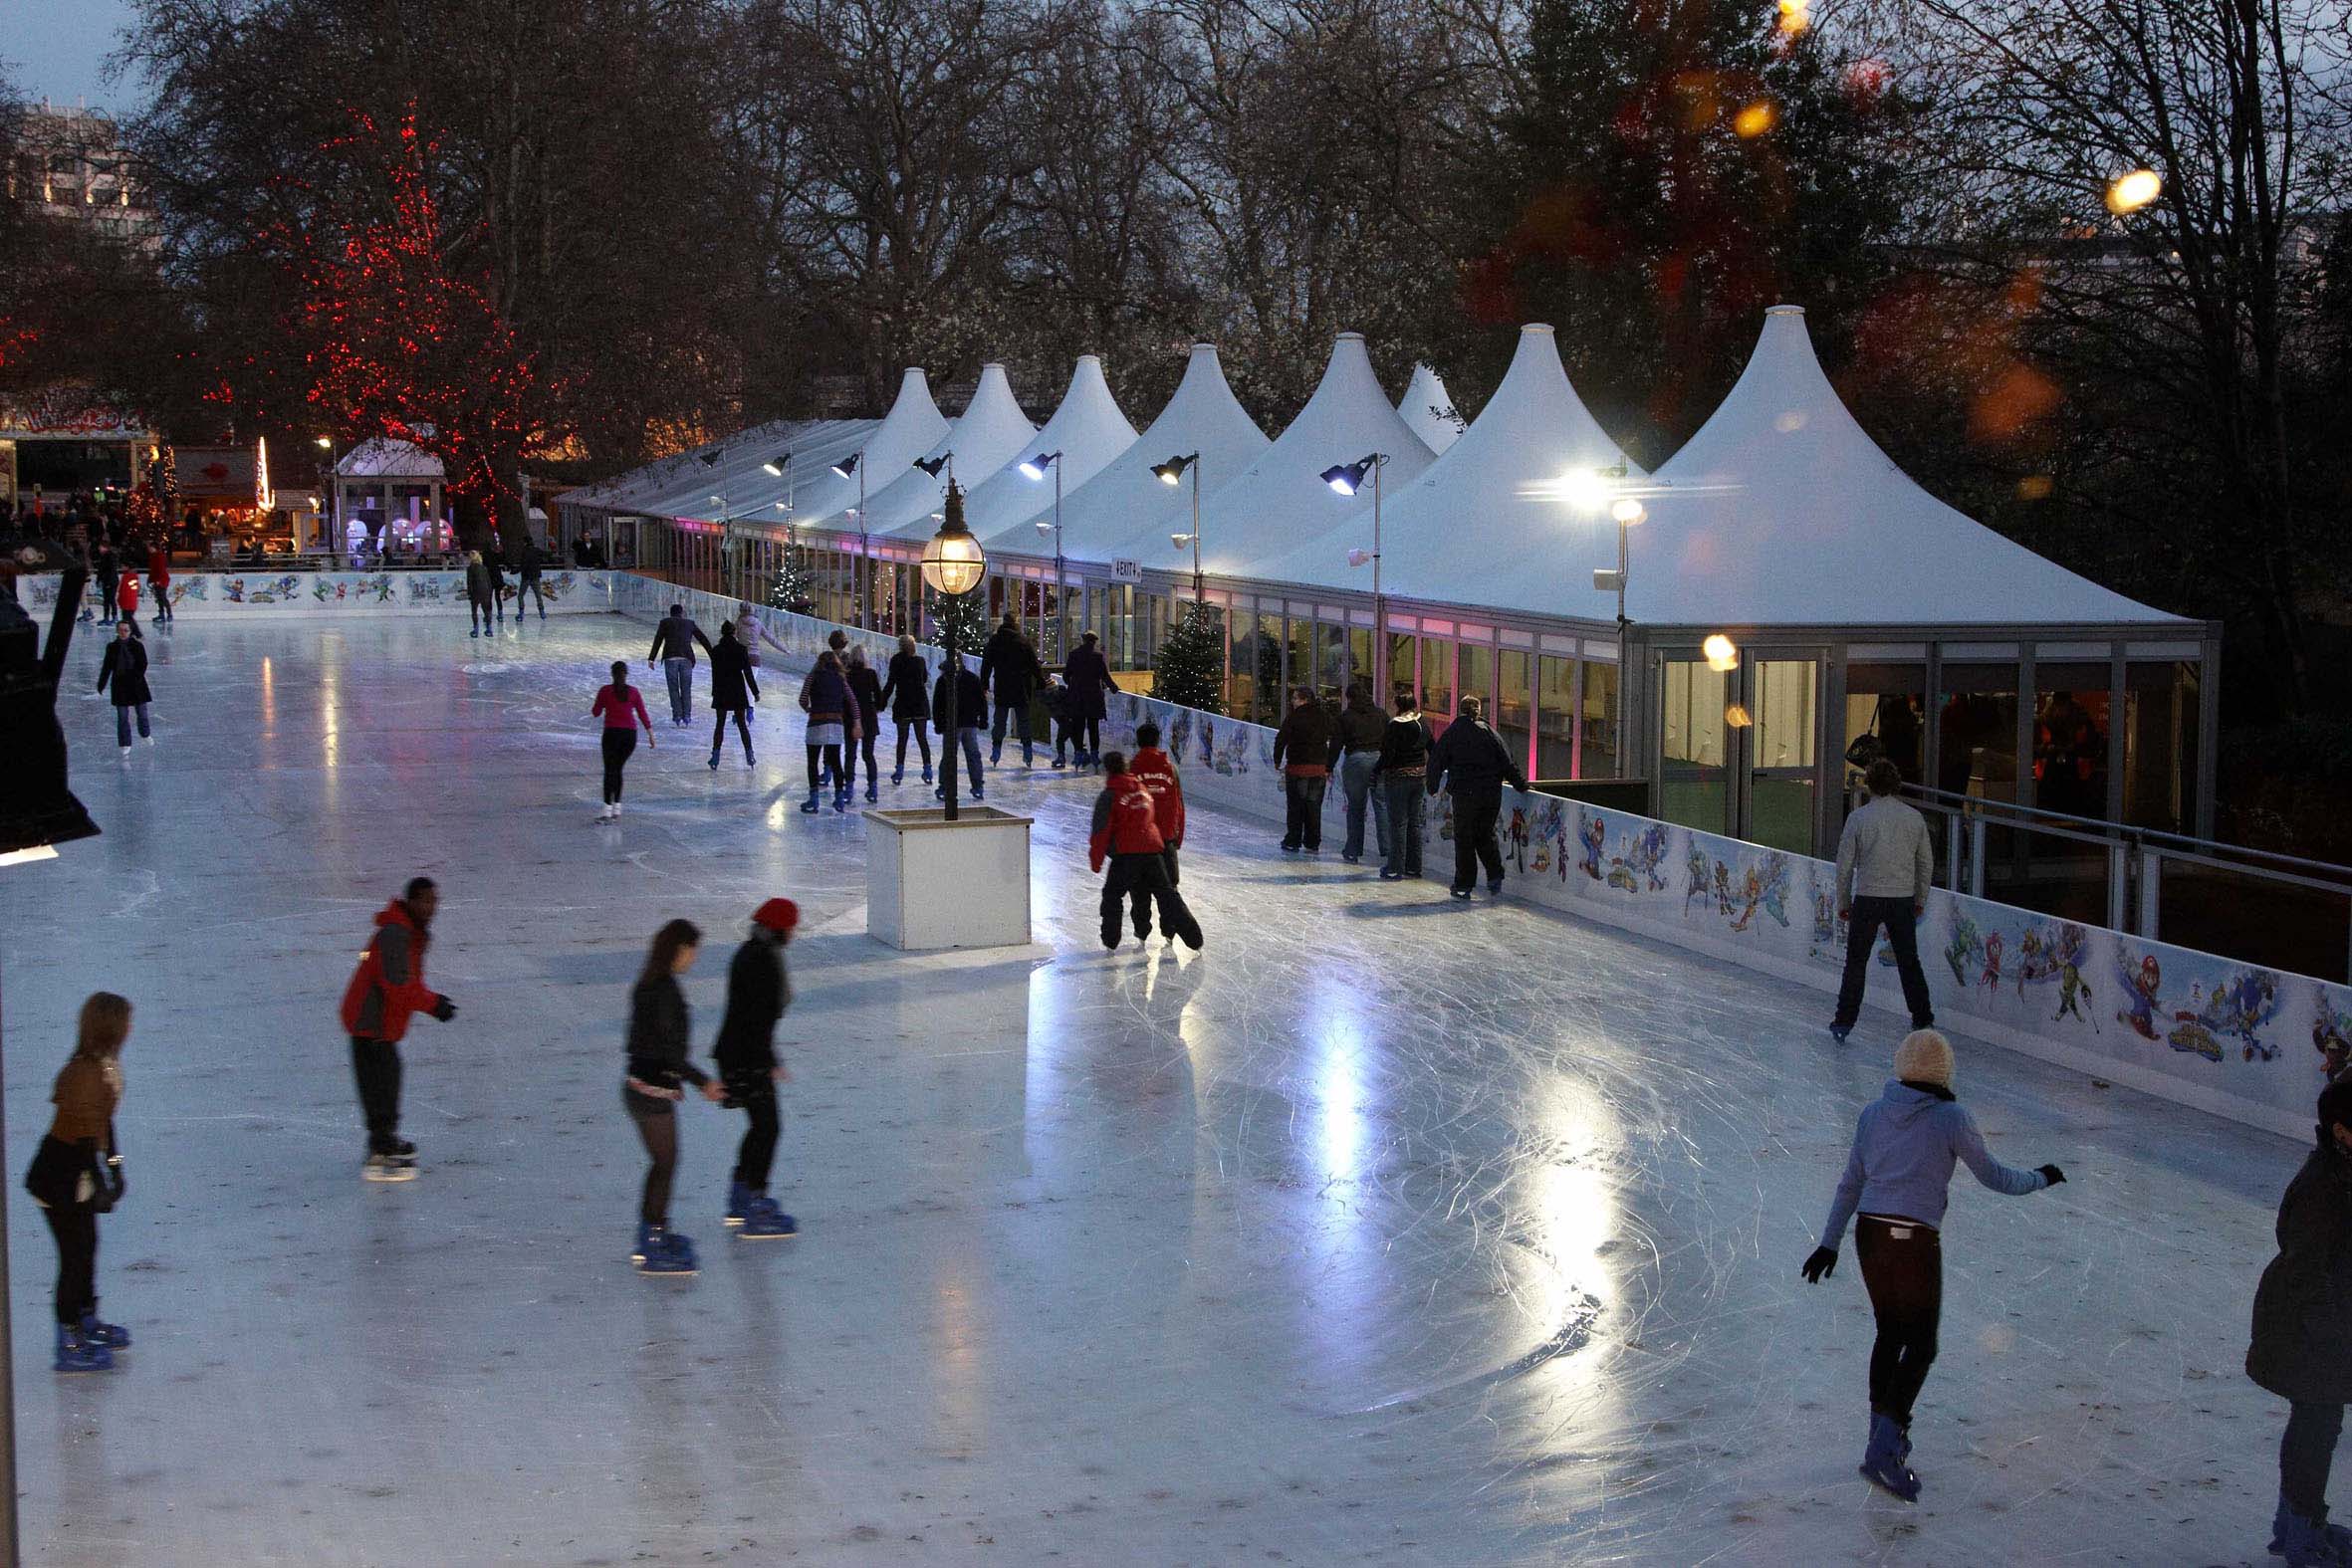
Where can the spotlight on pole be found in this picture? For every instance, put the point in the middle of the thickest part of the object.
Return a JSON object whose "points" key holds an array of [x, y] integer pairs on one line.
{"points": [[1349, 478], [933, 465], [848, 465], [1034, 467], [777, 464], [1173, 470], [710, 458]]}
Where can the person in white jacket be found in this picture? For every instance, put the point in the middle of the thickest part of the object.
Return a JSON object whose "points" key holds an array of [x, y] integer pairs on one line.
{"points": [[1883, 869]]}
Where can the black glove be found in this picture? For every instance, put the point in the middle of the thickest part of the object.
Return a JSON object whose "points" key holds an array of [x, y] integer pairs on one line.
{"points": [[2051, 1174], [1820, 1266], [117, 1183], [443, 1008]]}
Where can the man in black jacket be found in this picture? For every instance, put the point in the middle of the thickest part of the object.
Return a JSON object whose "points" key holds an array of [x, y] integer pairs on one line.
{"points": [[1363, 724], [1479, 764], [971, 705], [673, 650], [1009, 668], [1404, 763], [758, 991], [1302, 749]]}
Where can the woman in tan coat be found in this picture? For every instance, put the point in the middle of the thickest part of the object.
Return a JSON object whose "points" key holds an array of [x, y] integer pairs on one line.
{"points": [[77, 1176]]}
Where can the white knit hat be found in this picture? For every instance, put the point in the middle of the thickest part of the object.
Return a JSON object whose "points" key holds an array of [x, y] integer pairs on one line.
{"points": [[1925, 1056]]}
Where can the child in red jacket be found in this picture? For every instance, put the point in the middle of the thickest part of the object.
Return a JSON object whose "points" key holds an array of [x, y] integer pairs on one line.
{"points": [[385, 992], [1127, 833], [1157, 770]]}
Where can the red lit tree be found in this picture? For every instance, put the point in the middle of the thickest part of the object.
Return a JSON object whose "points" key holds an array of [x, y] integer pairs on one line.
{"points": [[399, 342]]}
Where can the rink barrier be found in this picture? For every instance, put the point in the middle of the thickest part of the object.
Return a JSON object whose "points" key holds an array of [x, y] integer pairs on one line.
{"points": [[291, 595], [2216, 1035]]}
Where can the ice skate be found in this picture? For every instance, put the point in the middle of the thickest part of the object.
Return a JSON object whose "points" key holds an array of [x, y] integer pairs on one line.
{"points": [[2313, 1541], [738, 1201], [74, 1352], [664, 1252], [764, 1221], [872, 792], [388, 1168], [808, 806], [113, 1336], [1882, 1462]]}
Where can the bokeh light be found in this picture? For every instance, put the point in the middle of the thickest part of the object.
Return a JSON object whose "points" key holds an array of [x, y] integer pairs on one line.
{"points": [[2130, 192], [1754, 119]]}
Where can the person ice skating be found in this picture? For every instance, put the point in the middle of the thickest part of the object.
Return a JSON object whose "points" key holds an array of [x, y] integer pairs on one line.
{"points": [[106, 570], [758, 991], [124, 667], [1363, 724], [1897, 1179], [751, 627], [865, 689], [1477, 762], [386, 990], [527, 563], [77, 1175], [160, 578], [126, 601], [673, 650], [971, 705], [1157, 772], [1054, 700], [1302, 749], [1126, 834], [836, 643], [907, 694], [1009, 668], [658, 1069], [477, 594], [1089, 674], [493, 563], [831, 706], [1402, 777], [2300, 1351], [1884, 866], [733, 691], [622, 708]]}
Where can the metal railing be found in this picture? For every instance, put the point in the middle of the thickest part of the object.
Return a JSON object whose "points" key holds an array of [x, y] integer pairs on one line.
{"points": [[2257, 905]]}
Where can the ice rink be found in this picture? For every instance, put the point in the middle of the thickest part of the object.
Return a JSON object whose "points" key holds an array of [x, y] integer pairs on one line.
{"points": [[1382, 1231]]}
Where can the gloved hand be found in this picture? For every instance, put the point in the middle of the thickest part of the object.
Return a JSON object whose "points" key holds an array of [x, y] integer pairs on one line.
{"points": [[117, 1183], [2051, 1174], [1820, 1266], [443, 1008]]}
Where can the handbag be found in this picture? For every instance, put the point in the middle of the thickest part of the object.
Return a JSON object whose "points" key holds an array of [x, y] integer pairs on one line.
{"points": [[1866, 747]]}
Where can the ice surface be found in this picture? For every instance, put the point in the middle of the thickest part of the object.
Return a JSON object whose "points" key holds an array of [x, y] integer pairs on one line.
{"points": [[1382, 1231]]}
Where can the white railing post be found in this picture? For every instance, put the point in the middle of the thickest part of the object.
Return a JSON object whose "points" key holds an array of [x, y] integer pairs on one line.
{"points": [[2151, 892]]}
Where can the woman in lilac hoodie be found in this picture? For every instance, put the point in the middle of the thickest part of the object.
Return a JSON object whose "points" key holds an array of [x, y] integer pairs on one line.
{"points": [[1897, 1180]]}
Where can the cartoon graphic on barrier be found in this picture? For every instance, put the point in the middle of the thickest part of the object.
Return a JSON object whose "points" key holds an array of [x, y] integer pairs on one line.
{"points": [[1591, 834], [427, 590], [2140, 986], [2331, 1031]]}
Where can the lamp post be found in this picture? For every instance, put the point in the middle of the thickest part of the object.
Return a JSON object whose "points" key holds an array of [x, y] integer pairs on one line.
{"points": [[1172, 472], [854, 463], [781, 466], [1347, 479], [1035, 469], [1589, 488], [953, 565], [333, 531]]}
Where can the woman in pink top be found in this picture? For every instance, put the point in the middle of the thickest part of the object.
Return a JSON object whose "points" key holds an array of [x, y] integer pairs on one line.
{"points": [[623, 712]]}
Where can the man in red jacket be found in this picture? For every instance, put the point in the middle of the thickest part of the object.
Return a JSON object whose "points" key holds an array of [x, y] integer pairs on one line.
{"points": [[385, 992], [160, 578], [1127, 833], [1157, 770]]}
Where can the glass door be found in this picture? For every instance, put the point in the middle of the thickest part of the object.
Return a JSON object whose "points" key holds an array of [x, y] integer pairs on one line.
{"points": [[1694, 780], [1780, 740]]}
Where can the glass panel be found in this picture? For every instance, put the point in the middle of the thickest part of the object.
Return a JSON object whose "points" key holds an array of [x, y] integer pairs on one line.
{"points": [[1478, 675], [2070, 714], [1400, 668], [1240, 685], [1555, 715], [1782, 754], [1694, 787], [1437, 680], [1977, 732], [1300, 666], [1514, 718], [2160, 713], [1887, 703], [1330, 662], [1271, 700], [1360, 671], [1597, 743]]}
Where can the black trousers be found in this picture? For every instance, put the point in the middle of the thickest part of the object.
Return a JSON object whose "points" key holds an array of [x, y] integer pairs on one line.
{"points": [[2304, 1453], [754, 1093], [825, 762], [530, 585], [1302, 810], [377, 1066], [1902, 929], [1086, 733], [743, 728], [657, 1124], [863, 742], [1474, 840], [618, 743], [920, 729], [1139, 881], [76, 1228], [1903, 1269]]}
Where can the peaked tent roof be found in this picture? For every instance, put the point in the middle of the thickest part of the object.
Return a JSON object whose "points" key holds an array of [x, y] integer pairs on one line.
{"points": [[1087, 430], [1125, 501], [1429, 409], [1782, 511], [912, 427], [1281, 501], [991, 432], [1486, 525], [687, 487]]}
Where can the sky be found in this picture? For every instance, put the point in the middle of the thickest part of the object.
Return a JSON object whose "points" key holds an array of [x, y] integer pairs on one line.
{"points": [[57, 49]]}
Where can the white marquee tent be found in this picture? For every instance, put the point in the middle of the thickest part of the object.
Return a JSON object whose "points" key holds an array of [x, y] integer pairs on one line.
{"points": [[1088, 431], [991, 432], [1429, 409]]}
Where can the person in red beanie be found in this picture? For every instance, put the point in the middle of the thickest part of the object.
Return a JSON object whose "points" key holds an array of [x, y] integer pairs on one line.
{"points": [[385, 992], [1127, 833], [758, 991]]}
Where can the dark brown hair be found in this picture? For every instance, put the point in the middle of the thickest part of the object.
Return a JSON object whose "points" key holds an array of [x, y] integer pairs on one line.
{"points": [[668, 942], [1884, 778], [106, 1023]]}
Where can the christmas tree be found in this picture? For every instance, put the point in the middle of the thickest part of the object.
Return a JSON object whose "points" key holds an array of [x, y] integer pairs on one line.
{"points": [[792, 590], [1190, 669], [966, 614]]}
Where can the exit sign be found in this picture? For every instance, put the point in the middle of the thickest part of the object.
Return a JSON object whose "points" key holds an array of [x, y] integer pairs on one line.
{"points": [[1124, 570]]}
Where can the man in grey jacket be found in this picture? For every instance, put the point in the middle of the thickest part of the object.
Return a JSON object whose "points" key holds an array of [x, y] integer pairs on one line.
{"points": [[1883, 869]]}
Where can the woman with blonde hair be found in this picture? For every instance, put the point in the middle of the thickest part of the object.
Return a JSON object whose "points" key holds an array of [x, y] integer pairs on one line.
{"points": [[78, 1175]]}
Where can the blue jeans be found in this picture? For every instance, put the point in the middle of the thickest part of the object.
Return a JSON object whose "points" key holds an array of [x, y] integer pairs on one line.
{"points": [[1407, 798], [1356, 780], [680, 674], [123, 723], [968, 736]]}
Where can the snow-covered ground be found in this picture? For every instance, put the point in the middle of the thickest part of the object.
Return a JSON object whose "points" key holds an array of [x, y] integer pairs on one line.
{"points": [[1380, 1231]]}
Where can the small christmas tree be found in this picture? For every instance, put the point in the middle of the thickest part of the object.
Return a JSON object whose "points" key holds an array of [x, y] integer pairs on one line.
{"points": [[966, 614], [1190, 669], [792, 590]]}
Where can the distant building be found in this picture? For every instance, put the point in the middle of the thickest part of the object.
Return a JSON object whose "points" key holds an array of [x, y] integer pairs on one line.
{"points": [[72, 164]]}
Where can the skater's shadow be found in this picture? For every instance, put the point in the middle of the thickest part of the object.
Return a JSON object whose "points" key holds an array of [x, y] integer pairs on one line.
{"points": [[1401, 911]]}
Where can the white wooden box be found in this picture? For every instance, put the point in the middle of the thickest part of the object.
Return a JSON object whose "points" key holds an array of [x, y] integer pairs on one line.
{"points": [[933, 883]]}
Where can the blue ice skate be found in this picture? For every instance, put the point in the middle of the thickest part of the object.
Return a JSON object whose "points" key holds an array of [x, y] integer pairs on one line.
{"points": [[1882, 1462], [112, 1335], [764, 1221], [2301, 1541], [667, 1252], [74, 1352], [739, 1200]]}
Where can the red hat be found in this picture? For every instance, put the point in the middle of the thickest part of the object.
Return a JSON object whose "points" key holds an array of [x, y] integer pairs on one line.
{"points": [[778, 914]]}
